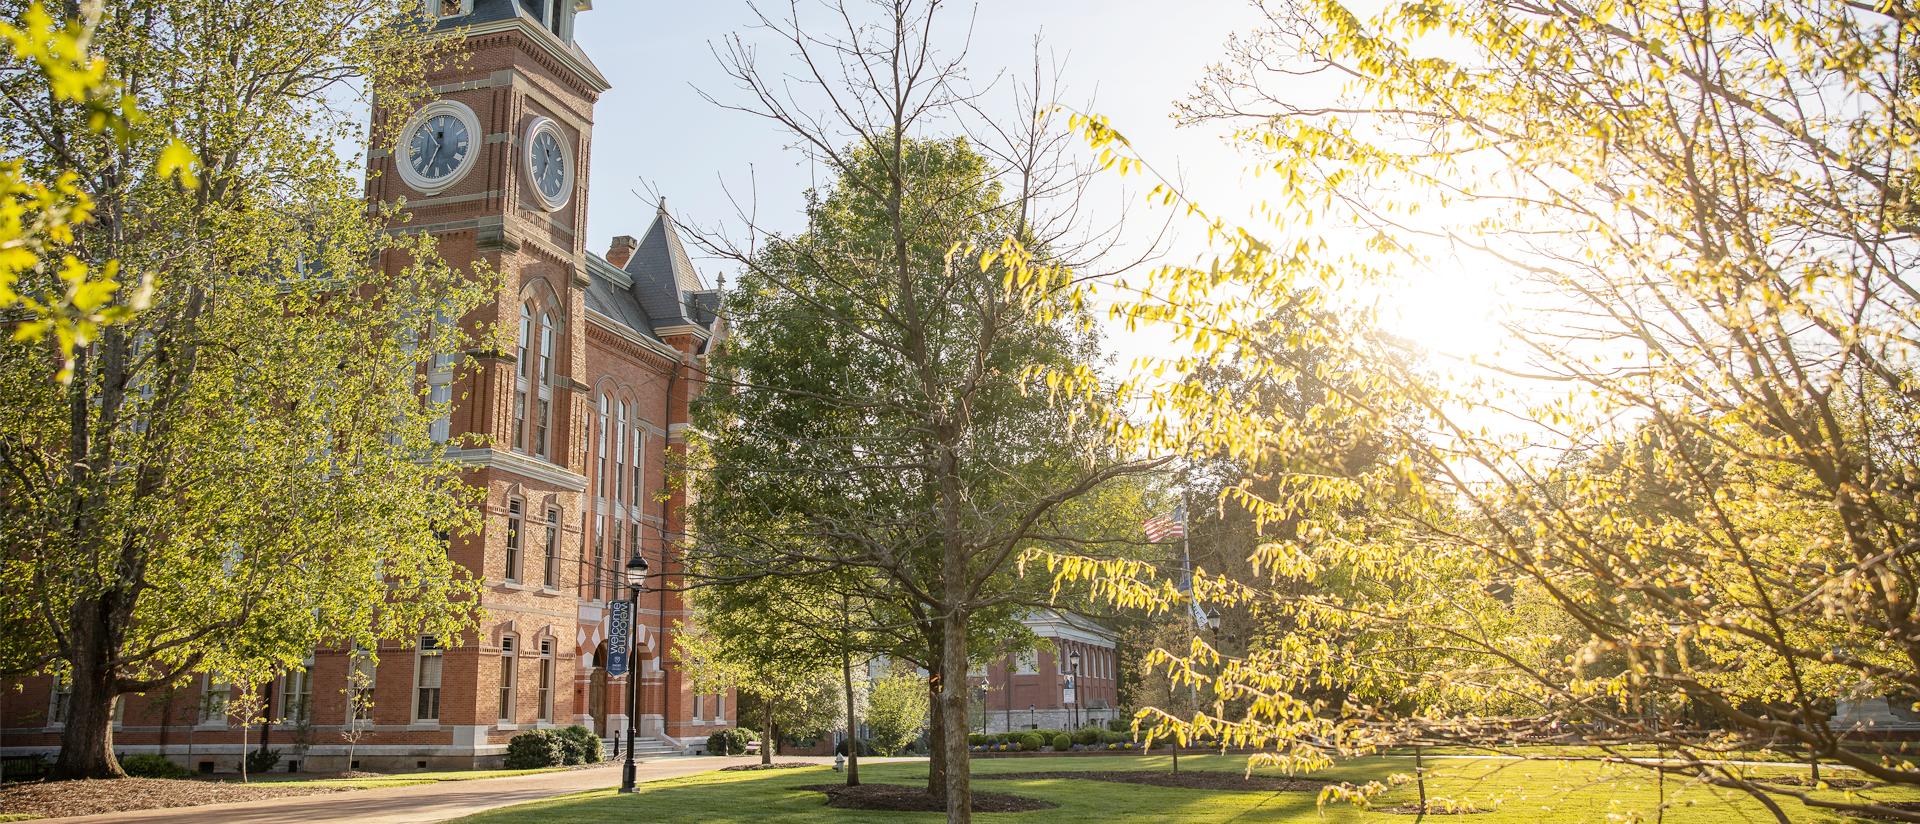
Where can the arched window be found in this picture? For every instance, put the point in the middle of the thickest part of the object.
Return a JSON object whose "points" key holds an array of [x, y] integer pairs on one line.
{"points": [[523, 384]]}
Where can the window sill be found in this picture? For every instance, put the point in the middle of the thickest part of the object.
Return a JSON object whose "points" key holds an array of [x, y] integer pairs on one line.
{"points": [[425, 725], [505, 727]]}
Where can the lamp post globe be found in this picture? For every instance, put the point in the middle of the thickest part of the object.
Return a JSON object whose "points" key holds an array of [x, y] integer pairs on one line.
{"points": [[636, 574], [1213, 620]]}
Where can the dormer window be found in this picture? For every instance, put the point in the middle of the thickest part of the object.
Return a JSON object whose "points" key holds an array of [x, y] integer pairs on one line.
{"points": [[555, 18], [450, 8]]}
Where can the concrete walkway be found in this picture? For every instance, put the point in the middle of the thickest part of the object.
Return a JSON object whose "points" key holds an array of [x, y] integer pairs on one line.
{"points": [[425, 803]]}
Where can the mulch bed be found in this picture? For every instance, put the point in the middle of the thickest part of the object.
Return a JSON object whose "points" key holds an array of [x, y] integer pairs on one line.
{"points": [[777, 765], [56, 799], [1186, 780], [1908, 806], [899, 799], [1805, 781]]}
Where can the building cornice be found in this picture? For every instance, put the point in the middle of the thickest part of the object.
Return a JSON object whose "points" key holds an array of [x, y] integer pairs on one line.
{"points": [[518, 464], [549, 44], [621, 331]]}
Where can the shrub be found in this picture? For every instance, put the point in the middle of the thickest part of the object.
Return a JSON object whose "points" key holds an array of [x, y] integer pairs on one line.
{"points": [[148, 765], [1063, 742], [1120, 724], [1116, 738], [1087, 735], [975, 740], [728, 742], [1032, 742], [262, 760], [866, 748], [534, 750], [579, 745]]}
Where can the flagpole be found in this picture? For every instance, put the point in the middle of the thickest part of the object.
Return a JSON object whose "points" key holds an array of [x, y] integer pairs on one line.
{"points": [[1186, 556]]}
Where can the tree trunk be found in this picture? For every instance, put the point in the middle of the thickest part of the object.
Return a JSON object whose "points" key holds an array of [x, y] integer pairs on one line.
{"points": [[86, 744], [936, 742], [853, 722], [953, 706], [936, 717], [766, 730]]}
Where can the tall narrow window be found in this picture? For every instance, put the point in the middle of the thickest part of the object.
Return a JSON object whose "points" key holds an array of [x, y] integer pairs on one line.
{"points": [[296, 693], [514, 541], [546, 349], [556, 17], [520, 420], [551, 579], [62, 707], [427, 680], [525, 352], [546, 680], [699, 705], [639, 467], [509, 670], [523, 381], [720, 707], [540, 430], [440, 397], [213, 702], [600, 443], [619, 455], [599, 556], [360, 680]]}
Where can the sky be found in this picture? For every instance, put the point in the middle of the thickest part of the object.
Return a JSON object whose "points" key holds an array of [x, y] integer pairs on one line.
{"points": [[655, 135]]}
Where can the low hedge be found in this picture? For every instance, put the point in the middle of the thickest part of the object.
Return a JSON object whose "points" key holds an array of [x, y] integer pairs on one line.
{"points": [[732, 741], [149, 765], [535, 749], [1120, 724]]}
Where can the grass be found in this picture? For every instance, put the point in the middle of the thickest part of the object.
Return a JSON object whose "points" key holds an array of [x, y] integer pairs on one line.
{"points": [[402, 780], [1546, 792], [17, 817]]}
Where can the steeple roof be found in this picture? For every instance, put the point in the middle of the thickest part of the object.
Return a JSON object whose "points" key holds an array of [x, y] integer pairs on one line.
{"points": [[664, 279]]}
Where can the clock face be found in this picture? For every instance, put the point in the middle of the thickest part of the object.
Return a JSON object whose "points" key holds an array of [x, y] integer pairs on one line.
{"points": [[438, 147], [549, 166]]}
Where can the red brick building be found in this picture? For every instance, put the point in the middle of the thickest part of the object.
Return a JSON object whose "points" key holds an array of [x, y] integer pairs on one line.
{"points": [[1027, 692], [584, 415]]}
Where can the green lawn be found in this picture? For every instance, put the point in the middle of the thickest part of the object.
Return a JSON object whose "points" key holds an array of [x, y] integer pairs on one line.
{"points": [[1523, 791]]}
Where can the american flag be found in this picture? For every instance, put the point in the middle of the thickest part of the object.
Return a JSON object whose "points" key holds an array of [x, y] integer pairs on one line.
{"points": [[1170, 525]]}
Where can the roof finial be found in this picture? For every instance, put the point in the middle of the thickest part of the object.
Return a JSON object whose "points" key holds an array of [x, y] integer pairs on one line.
{"points": [[663, 204]]}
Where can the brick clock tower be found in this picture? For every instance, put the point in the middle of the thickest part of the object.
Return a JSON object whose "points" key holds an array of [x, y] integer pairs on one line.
{"points": [[582, 418], [584, 413]]}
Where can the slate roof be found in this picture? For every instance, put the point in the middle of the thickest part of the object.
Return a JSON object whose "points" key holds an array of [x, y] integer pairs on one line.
{"points": [[664, 279], [667, 291]]}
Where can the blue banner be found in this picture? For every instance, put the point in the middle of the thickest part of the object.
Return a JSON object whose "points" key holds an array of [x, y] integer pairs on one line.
{"points": [[619, 637]]}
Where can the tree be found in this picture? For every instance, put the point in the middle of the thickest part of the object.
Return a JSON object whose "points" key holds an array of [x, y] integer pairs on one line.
{"points": [[884, 356], [897, 708], [1707, 521], [889, 441], [736, 641], [62, 294], [359, 693], [250, 464]]}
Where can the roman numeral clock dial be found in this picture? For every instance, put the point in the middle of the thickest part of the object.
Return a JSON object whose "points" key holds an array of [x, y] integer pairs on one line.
{"points": [[438, 146], [549, 163]]}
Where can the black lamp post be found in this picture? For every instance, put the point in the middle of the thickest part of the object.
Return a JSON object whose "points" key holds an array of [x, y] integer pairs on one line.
{"points": [[636, 581], [1074, 661]]}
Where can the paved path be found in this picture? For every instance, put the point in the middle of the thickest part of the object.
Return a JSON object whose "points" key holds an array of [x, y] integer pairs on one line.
{"points": [[424, 803]]}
